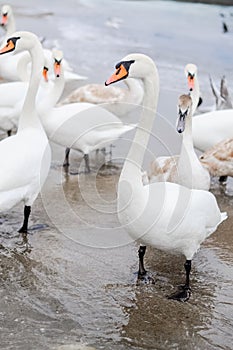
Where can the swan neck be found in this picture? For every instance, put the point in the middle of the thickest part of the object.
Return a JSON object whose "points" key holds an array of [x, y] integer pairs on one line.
{"points": [[187, 134], [22, 67], [53, 96], [187, 142], [139, 144], [134, 86], [11, 26], [28, 117], [195, 95]]}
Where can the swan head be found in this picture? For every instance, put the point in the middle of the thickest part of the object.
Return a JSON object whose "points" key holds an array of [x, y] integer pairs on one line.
{"points": [[57, 56], [184, 110], [19, 41], [135, 65], [190, 72], [6, 14]]}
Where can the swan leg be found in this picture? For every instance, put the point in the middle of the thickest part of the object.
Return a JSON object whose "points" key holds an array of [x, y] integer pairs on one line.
{"points": [[141, 253], [9, 132], [27, 211], [87, 163], [66, 160], [184, 292], [143, 275], [223, 180]]}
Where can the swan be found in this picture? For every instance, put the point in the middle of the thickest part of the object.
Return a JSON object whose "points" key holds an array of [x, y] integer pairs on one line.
{"points": [[117, 100], [8, 66], [165, 215], [84, 127], [219, 159], [185, 169], [25, 156]]}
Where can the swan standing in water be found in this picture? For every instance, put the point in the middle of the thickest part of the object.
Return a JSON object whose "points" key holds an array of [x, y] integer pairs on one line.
{"points": [[165, 215], [84, 127], [185, 169], [8, 66], [26, 156]]}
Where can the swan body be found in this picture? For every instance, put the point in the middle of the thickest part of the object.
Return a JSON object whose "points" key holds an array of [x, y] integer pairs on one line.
{"points": [[211, 128], [165, 215], [8, 65], [117, 100], [26, 156], [83, 126], [219, 159]]}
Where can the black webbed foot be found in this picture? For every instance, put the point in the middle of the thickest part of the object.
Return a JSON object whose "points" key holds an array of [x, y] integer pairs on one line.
{"points": [[182, 294], [145, 278]]}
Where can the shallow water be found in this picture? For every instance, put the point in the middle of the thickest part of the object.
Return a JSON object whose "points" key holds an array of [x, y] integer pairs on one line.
{"points": [[73, 283]]}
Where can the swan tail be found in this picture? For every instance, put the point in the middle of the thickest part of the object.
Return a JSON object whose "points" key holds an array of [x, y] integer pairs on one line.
{"points": [[224, 216]]}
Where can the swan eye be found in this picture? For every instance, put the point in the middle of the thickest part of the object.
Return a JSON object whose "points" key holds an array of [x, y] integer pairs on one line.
{"points": [[118, 71], [201, 157]]}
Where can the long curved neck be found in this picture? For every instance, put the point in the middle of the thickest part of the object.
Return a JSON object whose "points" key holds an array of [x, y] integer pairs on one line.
{"points": [[195, 95], [28, 117], [187, 153], [142, 135], [53, 96], [135, 88], [22, 66], [187, 134], [11, 25]]}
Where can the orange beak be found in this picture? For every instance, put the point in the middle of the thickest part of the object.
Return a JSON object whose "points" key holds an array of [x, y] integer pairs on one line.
{"points": [[120, 73], [45, 73], [4, 20], [10, 46], [190, 82], [57, 69]]}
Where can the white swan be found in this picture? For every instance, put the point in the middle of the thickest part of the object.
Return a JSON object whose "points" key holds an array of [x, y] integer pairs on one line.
{"points": [[26, 156], [185, 169], [165, 215], [80, 126], [117, 100], [8, 66], [219, 159]]}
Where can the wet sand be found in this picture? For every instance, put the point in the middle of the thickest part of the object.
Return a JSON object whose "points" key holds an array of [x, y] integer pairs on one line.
{"points": [[73, 283]]}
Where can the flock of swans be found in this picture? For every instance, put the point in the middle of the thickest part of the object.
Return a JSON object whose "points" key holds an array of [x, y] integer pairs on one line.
{"points": [[174, 211]]}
